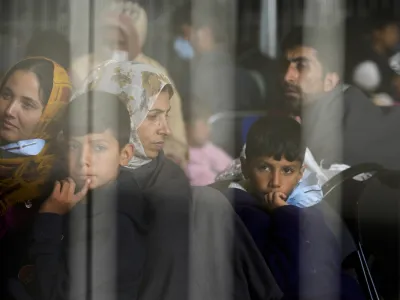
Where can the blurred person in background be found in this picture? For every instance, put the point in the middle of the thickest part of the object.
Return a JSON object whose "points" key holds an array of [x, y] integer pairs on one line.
{"points": [[50, 44], [213, 70], [123, 30], [383, 38], [216, 80], [206, 160], [340, 124], [367, 77], [215, 77], [183, 51]]}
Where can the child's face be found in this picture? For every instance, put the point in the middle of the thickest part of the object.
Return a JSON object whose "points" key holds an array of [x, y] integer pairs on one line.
{"points": [[96, 157], [199, 133], [268, 175]]}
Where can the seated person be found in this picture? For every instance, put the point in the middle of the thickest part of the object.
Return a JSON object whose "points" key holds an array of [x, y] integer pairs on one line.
{"points": [[97, 192], [299, 248], [307, 189], [206, 160]]}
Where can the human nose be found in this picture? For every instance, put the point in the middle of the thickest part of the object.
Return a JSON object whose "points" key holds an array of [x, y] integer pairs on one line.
{"points": [[164, 127], [291, 74], [275, 180], [11, 109], [85, 156]]}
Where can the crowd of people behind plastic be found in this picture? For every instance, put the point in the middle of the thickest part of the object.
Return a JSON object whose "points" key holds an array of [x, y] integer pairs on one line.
{"points": [[106, 164]]}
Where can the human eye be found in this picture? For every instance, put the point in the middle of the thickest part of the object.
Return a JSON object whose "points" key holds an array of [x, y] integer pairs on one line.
{"points": [[99, 147], [72, 146], [152, 117], [302, 65], [6, 95], [264, 168], [29, 105], [287, 170]]}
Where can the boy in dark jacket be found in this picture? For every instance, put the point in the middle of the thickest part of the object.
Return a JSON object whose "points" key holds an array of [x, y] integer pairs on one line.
{"points": [[299, 248], [89, 236]]}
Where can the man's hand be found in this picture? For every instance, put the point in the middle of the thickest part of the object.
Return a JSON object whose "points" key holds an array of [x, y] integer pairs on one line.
{"points": [[274, 200], [63, 198]]}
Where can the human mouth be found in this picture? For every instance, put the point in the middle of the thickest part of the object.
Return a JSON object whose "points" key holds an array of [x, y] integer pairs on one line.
{"points": [[84, 177], [159, 145], [291, 90], [292, 93], [9, 125]]}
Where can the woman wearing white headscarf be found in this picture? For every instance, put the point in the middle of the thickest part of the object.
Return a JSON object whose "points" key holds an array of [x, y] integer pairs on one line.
{"points": [[147, 93]]}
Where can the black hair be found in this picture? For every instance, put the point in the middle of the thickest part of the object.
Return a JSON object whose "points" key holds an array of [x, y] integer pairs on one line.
{"points": [[95, 112], [381, 20], [44, 71], [277, 137], [182, 16], [50, 44], [321, 40]]}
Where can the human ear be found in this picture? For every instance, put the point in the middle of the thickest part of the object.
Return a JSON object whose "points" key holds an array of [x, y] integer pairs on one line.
{"points": [[126, 154], [331, 81]]}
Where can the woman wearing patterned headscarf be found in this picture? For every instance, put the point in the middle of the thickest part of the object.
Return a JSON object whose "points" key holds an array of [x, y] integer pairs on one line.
{"points": [[33, 95], [147, 93]]}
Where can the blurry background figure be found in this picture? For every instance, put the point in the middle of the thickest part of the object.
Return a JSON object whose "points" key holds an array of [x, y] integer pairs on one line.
{"points": [[206, 160], [122, 33], [50, 44], [367, 77], [215, 77], [182, 52], [382, 39], [213, 68], [217, 81]]}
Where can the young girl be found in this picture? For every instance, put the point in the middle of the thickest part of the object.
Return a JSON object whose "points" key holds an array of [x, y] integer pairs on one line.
{"points": [[206, 160]]}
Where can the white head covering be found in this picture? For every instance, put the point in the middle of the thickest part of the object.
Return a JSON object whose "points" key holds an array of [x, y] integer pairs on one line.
{"points": [[128, 16], [366, 75], [138, 85]]}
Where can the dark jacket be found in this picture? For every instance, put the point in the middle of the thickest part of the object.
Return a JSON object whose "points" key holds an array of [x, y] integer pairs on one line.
{"points": [[194, 251], [344, 126], [118, 222], [298, 247], [167, 191], [225, 263]]}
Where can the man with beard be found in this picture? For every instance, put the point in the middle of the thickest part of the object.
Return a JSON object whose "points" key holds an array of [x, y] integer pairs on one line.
{"points": [[340, 124]]}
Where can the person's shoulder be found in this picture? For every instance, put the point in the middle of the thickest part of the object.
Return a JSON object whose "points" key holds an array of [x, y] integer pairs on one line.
{"points": [[126, 180], [131, 203], [173, 168]]}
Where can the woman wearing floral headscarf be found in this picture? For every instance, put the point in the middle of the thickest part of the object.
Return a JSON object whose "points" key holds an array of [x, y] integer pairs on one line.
{"points": [[147, 93], [33, 95]]}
